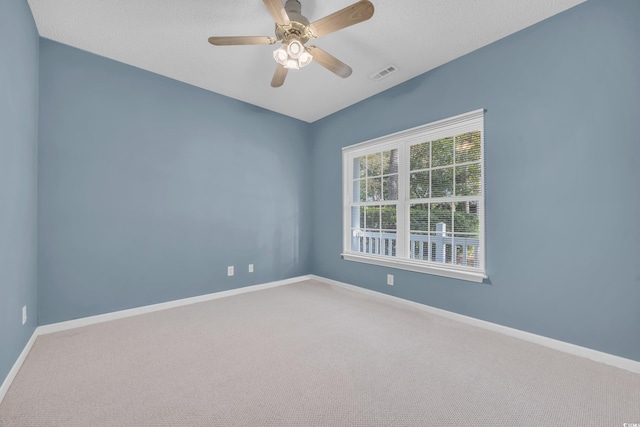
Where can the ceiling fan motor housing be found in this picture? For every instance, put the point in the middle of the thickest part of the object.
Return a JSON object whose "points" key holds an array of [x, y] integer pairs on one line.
{"points": [[294, 11], [298, 28]]}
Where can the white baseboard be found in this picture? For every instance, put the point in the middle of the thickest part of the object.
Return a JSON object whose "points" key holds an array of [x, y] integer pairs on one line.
{"points": [[16, 366], [597, 356], [576, 350], [91, 320], [85, 321]]}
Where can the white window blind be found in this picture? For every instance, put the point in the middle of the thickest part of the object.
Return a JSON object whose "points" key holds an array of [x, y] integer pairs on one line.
{"points": [[415, 199]]}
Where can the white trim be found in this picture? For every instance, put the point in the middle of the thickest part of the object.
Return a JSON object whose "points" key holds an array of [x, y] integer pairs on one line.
{"points": [[16, 366], [597, 356], [445, 126], [402, 141], [417, 266], [565, 347], [86, 321], [91, 320]]}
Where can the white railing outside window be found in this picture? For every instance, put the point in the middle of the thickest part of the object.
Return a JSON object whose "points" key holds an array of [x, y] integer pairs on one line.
{"points": [[437, 247]]}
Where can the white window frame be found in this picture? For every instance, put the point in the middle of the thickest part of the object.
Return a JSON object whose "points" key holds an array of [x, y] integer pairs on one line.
{"points": [[463, 123]]}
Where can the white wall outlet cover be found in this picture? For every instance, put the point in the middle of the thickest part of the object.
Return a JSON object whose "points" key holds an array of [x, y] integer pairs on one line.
{"points": [[250, 268], [390, 279], [24, 314], [230, 270]]}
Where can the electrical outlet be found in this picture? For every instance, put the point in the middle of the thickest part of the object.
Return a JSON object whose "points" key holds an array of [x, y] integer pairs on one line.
{"points": [[24, 314], [230, 270], [390, 279], [250, 268]]}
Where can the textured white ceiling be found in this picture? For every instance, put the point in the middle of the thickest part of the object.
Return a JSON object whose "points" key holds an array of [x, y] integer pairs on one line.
{"points": [[169, 37]]}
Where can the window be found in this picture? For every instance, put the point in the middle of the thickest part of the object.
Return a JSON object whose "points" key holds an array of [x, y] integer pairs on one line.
{"points": [[414, 200]]}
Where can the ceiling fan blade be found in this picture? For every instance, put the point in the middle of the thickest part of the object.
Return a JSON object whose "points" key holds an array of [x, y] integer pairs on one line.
{"points": [[277, 12], [350, 15], [279, 76], [234, 41], [330, 62]]}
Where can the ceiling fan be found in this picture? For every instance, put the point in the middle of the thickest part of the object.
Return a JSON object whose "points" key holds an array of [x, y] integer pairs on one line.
{"points": [[294, 30]]}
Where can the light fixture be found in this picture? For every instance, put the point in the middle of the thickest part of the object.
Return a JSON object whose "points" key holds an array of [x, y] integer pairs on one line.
{"points": [[281, 55], [294, 49], [292, 55], [305, 59]]}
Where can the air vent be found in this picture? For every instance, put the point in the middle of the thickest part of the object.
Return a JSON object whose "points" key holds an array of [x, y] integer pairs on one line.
{"points": [[385, 72]]}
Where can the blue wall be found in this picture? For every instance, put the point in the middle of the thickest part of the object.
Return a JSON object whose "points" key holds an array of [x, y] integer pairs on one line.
{"points": [[562, 102], [149, 188], [18, 178]]}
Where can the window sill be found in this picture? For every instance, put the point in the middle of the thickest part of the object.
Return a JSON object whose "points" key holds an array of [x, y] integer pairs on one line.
{"points": [[404, 264]]}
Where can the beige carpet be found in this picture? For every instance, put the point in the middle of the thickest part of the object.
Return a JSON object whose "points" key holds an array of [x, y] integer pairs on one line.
{"points": [[308, 354]]}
